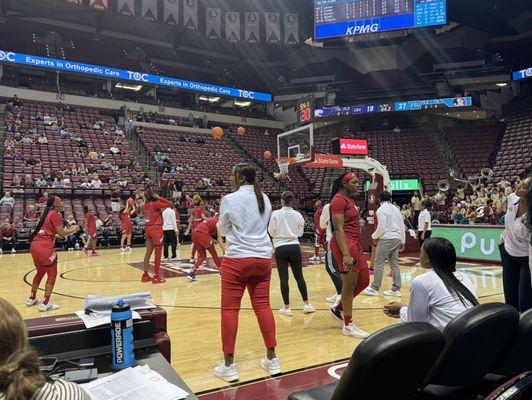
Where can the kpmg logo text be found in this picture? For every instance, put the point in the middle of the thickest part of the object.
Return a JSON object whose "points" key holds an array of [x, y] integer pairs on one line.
{"points": [[361, 29]]}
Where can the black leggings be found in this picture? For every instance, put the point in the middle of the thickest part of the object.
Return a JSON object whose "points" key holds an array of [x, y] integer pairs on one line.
{"points": [[516, 281], [285, 256], [332, 270]]}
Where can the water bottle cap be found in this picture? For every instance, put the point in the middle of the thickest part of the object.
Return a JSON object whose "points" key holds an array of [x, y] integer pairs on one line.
{"points": [[120, 303], [121, 306]]}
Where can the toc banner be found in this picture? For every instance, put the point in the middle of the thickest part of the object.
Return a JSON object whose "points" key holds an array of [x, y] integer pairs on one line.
{"points": [[190, 14], [291, 29], [252, 27], [470, 242], [171, 12], [213, 23], [149, 10], [232, 27], [126, 7], [273, 27], [100, 5]]}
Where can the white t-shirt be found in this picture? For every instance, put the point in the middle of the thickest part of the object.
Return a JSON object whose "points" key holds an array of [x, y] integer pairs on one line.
{"points": [[324, 222], [245, 229], [431, 302], [516, 236], [390, 223], [286, 226], [424, 217], [169, 220]]}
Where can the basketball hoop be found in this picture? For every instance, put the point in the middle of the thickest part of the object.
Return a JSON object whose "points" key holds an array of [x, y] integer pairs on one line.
{"points": [[283, 163]]}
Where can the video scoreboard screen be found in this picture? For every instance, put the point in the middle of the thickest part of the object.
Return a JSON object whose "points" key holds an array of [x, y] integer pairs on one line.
{"points": [[335, 18], [305, 111]]}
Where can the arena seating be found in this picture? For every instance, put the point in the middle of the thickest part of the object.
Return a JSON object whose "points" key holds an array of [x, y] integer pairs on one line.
{"points": [[473, 147], [514, 156]]}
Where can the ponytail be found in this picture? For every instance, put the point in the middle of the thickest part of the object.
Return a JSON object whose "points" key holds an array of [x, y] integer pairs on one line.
{"points": [[249, 174], [20, 376], [49, 206], [442, 257]]}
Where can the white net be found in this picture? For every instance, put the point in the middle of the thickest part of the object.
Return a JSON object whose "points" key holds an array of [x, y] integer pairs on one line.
{"points": [[284, 165]]}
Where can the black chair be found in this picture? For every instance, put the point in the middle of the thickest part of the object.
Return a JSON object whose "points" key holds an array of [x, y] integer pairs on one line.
{"points": [[111, 235], [390, 364], [23, 237], [473, 343]]}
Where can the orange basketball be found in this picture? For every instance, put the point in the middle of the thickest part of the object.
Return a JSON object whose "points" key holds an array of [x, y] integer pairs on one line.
{"points": [[241, 131], [217, 132], [131, 202], [267, 154]]}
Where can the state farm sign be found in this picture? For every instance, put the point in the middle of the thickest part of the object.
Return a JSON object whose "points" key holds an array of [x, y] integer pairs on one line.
{"points": [[354, 147]]}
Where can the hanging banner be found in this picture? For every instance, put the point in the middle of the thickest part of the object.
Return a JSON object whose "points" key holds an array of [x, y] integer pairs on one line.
{"points": [[291, 29], [100, 5], [325, 161], [232, 27], [149, 10], [273, 27], [190, 14], [171, 12], [213, 23], [126, 7], [252, 28]]}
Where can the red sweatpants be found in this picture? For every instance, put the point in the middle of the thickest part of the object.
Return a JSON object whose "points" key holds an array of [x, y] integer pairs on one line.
{"points": [[237, 275], [203, 242]]}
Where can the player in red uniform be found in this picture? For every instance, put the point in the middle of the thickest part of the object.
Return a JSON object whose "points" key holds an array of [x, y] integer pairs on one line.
{"points": [[196, 216], [319, 234], [153, 215], [42, 250], [89, 228], [202, 239], [347, 251], [126, 226]]}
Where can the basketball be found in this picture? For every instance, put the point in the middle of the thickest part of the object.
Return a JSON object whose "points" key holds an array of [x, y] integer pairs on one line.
{"points": [[217, 132], [131, 202], [267, 154], [241, 131]]}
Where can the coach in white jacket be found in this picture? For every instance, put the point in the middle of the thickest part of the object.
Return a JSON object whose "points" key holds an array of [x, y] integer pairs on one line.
{"points": [[390, 234]]}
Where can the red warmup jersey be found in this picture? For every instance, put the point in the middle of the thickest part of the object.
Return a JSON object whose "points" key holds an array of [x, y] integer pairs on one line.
{"points": [[125, 220], [197, 212], [208, 227], [153, 212], [317, 216], [47, 231], [343, 205], [91, 223]]}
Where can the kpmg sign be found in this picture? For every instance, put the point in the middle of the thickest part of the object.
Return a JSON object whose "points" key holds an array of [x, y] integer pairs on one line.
{"points": [[131, 76], [523, 74]]}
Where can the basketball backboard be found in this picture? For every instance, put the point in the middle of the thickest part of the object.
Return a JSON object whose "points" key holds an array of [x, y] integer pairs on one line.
{"points": [[297, 144]]}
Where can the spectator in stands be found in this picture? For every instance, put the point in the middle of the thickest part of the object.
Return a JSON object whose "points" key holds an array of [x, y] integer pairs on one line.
{"points": [[416, 206], [71, 239], [93, 155], [7, 200], [99, 222], [200, 186], [85, 184], [109, 220], [96, 183], [488, 212], [471, 215], [41, 202], [9, 144], [406, 212], [177, 191], [83, 171], [31, 217], [39, 116], [42, 139], [220, 182], [27, 139], [41, 182], [66, 134], [47, 120], [8, 236]]}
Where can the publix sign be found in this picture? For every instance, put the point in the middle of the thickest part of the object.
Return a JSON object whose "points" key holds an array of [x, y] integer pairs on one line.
{"points": [[471, 242], [401, 185]]}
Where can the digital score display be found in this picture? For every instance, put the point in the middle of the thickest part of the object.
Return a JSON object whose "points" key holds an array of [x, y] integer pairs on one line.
{"points": [[336, 18], [305, 111]]}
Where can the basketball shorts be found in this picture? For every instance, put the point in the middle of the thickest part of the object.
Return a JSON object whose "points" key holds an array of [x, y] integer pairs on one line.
{"points": [[43, 254], [155, 234], [355, 250]]}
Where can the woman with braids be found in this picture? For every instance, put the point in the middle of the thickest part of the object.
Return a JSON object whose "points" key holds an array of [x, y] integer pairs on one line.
{"points": [[244, 217], [42, 250], [347, 251], [153, 215], [20, 375], [440, 294]]}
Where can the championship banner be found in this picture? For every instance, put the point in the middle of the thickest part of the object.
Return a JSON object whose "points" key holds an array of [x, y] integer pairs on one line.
{"points": [[149, 10], [190, 14], [126, 7], [232, 27], [171, 12], [291, 29], [325, 161], [100, 5], [252, 28], [213, 23], [273, 27]]}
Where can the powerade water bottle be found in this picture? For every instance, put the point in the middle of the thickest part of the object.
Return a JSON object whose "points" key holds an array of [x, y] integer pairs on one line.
{"points": [[122, 336]]}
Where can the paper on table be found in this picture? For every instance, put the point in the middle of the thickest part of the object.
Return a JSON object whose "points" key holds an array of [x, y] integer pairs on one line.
{"points": [[139, 383], [99, 319]]}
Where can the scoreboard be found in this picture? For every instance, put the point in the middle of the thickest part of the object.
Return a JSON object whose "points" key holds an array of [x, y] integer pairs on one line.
{"points": [[305, 111], [336, 18]]}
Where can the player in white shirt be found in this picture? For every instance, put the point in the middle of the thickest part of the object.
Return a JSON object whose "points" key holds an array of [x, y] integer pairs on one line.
{"points": [[389, 237], [439, 295], [330, 262], [170, 232], [286, 227], [424, 224]]}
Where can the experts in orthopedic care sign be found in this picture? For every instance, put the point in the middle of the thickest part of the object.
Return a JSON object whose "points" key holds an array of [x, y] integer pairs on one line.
{"points": [[354, 147], [130, 76], [470, 242], [523, 74]]}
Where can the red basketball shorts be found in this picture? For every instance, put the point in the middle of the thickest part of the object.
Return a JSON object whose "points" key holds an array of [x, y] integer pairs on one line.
{"points": [[355, 250]]}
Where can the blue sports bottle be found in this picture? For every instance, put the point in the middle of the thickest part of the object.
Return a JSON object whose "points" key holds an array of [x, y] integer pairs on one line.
{"points": [[122, 336]]}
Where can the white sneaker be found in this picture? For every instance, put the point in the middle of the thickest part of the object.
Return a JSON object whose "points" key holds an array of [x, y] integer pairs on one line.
{"points": [[227, 373], [122, 250], [191, 261], [48, 307], [128, 249], [167, 259], [308, 309], [333, 299], [273, 366], [13, 251], [32, 302], [354, 331], [287, 312], [174, 259], [315, 259], [369, 291], [392, 293]]}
